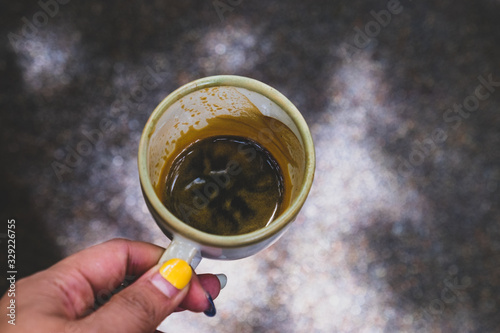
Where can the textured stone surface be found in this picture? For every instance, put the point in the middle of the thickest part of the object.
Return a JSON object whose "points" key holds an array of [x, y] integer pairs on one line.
{"points": [[401, 231]]}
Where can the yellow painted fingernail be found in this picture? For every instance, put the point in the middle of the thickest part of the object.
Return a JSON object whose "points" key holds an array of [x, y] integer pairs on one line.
{"points": [[177, 272]]}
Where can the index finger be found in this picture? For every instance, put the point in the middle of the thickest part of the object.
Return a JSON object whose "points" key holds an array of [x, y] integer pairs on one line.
{"points": [[105, 266]]}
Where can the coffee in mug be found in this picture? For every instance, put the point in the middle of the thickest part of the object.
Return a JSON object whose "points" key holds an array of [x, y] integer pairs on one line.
{"points": [[230, 177]]}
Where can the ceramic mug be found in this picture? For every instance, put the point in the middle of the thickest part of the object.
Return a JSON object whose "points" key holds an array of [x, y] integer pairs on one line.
{"points": [[191, 108]]}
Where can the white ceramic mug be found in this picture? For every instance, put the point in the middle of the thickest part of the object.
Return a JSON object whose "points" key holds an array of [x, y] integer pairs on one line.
{"points": [[192, 106]]}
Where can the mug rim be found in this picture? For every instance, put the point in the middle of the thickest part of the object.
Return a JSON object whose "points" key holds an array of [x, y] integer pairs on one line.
{"points": [[231, 241]]}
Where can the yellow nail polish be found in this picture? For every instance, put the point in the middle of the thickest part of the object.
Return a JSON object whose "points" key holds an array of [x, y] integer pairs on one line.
{"points": [[177, 272]]}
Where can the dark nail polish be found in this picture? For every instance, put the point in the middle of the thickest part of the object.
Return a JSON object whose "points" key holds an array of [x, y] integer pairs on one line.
{"points": [[211, 310]]}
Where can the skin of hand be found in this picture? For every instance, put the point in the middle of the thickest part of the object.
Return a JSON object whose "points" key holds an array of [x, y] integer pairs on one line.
{"points": [[62, 298]]}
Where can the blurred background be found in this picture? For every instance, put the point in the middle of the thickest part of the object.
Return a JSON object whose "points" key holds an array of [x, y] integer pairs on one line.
{"points": [[401, 231]]}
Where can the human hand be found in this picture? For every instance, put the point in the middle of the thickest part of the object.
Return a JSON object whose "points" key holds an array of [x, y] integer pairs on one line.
{"points": [[62, 298]]}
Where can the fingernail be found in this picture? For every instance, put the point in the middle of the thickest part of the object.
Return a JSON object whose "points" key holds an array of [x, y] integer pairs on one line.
{"points": [[222, 279], [173, 276], [210, 312]]}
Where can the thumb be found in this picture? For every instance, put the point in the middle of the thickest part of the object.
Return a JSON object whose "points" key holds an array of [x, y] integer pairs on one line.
{"points": [[144, 305]]}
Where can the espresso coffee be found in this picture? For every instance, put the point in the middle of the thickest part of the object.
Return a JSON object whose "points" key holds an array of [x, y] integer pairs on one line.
{"points": [[224, 185], [222, 165]]}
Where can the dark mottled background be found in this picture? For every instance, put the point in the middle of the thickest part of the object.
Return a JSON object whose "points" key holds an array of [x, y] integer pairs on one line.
{"points": [[401, 230]]}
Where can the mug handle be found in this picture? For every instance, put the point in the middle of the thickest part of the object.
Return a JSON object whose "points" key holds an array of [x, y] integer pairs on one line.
{"points": [[182, 248]]}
